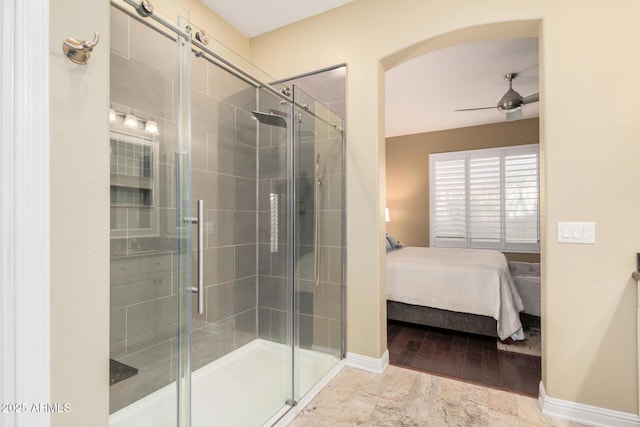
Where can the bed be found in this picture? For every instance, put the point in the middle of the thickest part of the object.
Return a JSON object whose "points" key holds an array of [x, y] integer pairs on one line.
{"points": [[469, 290]]}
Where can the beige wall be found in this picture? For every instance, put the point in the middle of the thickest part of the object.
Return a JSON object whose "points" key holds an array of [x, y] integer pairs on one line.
{"points": [[226, 39], [589, 148], [79, 216], [407, 171]]}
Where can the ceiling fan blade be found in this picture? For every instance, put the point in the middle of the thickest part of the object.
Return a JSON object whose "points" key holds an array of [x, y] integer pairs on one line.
{"points": [[514, 115], [474, 109], [534, 97]]}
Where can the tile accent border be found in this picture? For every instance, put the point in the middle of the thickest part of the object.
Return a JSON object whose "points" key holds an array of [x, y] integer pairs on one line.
{"points": [[585, 414], [369, 364]]}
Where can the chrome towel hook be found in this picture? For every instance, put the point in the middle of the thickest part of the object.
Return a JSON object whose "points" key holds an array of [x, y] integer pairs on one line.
{"points": [[79, 51]]}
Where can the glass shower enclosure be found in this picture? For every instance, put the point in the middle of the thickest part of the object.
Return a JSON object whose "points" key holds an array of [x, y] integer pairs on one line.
{"points": [[227, 232]]}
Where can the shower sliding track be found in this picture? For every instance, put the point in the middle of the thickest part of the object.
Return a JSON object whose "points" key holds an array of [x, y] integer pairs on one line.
{"points": [[211, 56]]}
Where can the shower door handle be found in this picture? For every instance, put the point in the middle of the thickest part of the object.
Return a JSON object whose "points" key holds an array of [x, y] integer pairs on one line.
{"points": [[199, 289], [318, 180], [316, 230]]}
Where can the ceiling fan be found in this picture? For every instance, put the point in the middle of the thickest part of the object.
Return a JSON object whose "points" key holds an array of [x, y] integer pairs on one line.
{"points": [[511, 102]]}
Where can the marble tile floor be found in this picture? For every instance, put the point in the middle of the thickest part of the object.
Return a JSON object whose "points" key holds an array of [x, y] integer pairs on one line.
{"points": [[403, 397]]}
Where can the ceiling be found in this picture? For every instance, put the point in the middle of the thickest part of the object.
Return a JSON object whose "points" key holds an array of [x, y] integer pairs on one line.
{"points": [[421, 93], [255, 17]]}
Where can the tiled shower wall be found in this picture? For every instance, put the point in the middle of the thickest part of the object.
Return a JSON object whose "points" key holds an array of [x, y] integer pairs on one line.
{"points": [[143, 258], [224, 169], [320, 306], [321, 319], [274, 285]]}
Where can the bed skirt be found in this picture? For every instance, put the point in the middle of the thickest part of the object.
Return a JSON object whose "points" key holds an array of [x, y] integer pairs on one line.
{"points": [[445, 319]]}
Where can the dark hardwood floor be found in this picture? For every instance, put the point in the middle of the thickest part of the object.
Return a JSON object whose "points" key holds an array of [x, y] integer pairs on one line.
{"points": [[468, 357]]}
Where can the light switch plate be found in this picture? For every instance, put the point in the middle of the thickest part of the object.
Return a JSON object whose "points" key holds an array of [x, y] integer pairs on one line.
{"points": [[577, 232]]}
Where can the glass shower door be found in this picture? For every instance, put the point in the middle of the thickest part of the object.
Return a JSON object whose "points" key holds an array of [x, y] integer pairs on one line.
{"points": [[241, 346], [221, 186], [320, 242], [150, 221]]}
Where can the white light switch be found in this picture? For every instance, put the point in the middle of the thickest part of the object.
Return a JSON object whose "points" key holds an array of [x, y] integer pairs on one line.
{"points": [[577, 232]]}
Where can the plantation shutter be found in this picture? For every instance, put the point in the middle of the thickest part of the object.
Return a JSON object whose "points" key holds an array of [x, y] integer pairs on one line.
{"points": [[486, 199], [449, 202], [521, 199]]}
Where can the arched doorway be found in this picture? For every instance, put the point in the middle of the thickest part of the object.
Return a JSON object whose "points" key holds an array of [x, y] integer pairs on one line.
{"points": [[407, 191]]}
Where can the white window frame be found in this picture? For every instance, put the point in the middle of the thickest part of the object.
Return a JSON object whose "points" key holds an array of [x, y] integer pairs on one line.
{"points": [[467, 155]]}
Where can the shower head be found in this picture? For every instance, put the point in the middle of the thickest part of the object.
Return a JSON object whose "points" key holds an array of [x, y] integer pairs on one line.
{"points": [[270, 119]]}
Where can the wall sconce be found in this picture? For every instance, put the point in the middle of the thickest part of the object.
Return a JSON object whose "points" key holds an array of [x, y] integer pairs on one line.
{"points": [[386, 215], [131, 121], [151, 127]]}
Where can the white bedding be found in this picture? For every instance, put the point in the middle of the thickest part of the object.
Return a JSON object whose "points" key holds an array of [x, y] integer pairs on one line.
{"points": [[473, 281]]}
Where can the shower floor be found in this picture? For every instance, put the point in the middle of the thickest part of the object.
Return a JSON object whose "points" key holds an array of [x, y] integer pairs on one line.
{"points": [[243, 388]]}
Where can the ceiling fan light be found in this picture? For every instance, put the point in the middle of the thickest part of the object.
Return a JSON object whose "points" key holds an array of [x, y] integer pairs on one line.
{"points": [[513, 115], [510, 101]]}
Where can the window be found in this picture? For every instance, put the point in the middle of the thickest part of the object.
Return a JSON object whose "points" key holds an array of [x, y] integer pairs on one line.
{"points": [[134, 178], [486, 199]]}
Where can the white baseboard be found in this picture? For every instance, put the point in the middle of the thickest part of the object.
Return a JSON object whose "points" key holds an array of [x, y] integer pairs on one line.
{"points": [[369, 364], [585, 414]]}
